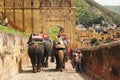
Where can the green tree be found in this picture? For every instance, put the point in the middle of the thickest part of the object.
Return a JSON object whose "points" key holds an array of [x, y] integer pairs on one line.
{"points": [[82, 12], [52, 32], [116, 19]]}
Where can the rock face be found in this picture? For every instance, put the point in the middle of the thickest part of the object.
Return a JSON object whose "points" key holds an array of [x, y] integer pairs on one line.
{"points": [[103, 61], [13, 55]]}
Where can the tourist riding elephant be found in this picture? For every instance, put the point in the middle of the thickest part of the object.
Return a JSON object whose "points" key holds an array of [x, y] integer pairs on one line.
{"points": [[59, 53], [36, 54]]}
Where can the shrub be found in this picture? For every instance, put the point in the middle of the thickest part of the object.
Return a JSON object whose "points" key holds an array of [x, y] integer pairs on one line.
{"points": [[94, 41]]}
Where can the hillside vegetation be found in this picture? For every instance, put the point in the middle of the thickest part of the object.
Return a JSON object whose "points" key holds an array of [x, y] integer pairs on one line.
{"points": [[115, 9], [12, 31], [89, 12], [82, 12]]}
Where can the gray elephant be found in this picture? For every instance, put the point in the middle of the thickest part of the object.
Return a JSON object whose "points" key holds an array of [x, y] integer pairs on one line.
{"points": [[39, 52], [36, 54], [48, 49]]}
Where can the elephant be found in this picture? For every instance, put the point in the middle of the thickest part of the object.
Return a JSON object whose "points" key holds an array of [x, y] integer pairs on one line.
{"points": [[36, 53], [42, 47], [60, 59], [48, 49], [58, 51]]}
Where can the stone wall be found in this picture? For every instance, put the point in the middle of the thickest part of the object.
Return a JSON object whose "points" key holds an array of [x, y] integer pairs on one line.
{"points": [[103, 61], [13, 55], [39, 15]]}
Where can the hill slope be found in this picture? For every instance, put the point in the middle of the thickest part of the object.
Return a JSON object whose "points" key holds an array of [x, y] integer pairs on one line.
{"points": [[101, 8], [88, 11], [115, 9]]}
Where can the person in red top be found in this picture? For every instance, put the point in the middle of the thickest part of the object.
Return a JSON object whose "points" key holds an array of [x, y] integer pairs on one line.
{"points": [[64, 37], [60, 36], [77, 58]]}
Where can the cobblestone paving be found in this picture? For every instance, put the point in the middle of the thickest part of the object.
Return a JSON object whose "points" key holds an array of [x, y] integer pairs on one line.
{"points": [[50, 74]]}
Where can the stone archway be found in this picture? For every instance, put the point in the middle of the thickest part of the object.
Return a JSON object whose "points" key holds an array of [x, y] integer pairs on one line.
{"points": [[53, 27]]}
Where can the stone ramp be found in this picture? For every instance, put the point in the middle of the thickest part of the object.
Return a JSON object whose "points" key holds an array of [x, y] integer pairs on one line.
{"points": [[50, 74]]}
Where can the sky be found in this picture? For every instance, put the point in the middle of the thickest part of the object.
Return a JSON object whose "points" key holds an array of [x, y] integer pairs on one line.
{"points": [[108, 2]]}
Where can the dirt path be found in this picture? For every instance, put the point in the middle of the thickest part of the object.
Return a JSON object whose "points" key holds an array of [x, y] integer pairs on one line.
{"points": [[50, 74]]}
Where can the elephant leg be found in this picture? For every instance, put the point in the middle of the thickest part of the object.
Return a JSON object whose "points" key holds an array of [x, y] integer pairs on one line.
{"points": [[38, 66], [34, 65], [43, 61], [35, 68], [39, 61], [61, 59], [33, 61], [57, 61], [64, 62], [46, 61]]}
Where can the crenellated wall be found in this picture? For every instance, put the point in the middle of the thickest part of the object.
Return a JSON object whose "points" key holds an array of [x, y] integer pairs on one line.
{"points": [[103, 61], [13, 55]]}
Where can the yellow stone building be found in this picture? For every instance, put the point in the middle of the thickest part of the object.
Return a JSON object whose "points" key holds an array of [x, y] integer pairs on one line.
{"points": [[34, 16]]}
